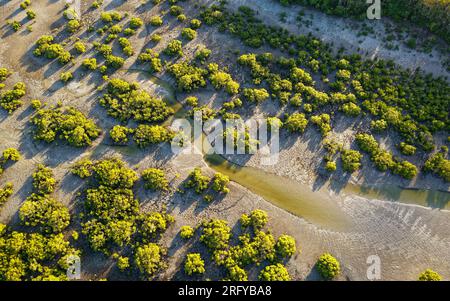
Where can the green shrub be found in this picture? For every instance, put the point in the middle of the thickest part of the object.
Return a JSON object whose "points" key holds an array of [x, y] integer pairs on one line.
{"points": [[330, 166], [148, 259], [80, 47], [438, 165], [11, 154], [192, 101], [10, 99], [351, 109], [215, 234], [156, 21], [407, 149], [175, 10], [256, 95], [257, 219], [323, 122], [31, 14], [65, 76], [65, 123], [145, 135], [5, 193], [195, 23], [296, 122], [136, 22], [220, 182], [119, 134], [328, 266], [351, 160], [90, 64], [4, 73], [43, 181], [197, 180], [286, 246], [188, 33], [114, 61], [73, 26], [194, 264], [186, 232], [113, 173], [126, 101], [82, 168], [202, 54], [188, 77], [155, 179], [34, 256], [275, 272], [429, 275], [174, 48], [44, 212]]}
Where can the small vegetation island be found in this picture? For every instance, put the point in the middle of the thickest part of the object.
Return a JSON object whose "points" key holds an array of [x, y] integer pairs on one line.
{"points": [[88, 175]]}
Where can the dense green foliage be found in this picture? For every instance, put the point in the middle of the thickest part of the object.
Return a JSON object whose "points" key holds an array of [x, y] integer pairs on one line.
{"points": [[276, 272], [194, 264], [155, 179], [145, 135], [65, 123], [328, 266], [10, 99], [44, 212], [119, 134], [188, 76], [46, 47], [33, 256], [296, 122], [431, 14], [186, 232], [383, 159], [113, 221], [5, 193], [127, 101], [40, 209], [351, 160], [429, 275], [197, 180], [438, 164], [414, 105]]}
